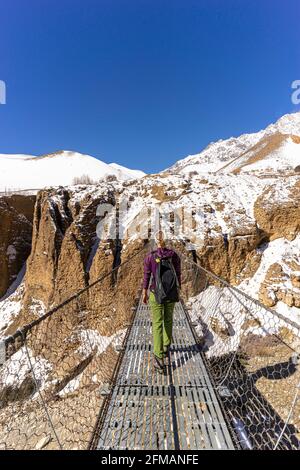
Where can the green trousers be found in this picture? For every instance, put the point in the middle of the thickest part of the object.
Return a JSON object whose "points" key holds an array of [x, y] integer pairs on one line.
{"points": [[162, 323]]}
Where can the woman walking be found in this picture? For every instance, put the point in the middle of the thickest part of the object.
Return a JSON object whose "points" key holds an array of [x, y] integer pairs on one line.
{"points": [[162, 268]]}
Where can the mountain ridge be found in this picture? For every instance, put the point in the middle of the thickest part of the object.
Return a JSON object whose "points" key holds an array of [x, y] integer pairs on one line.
{"points": [[218, 153]]}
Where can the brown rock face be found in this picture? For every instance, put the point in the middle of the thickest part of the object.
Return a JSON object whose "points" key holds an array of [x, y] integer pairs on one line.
{"points": [[277, 212], [279, 217], [234, 258], [295, 278], [48, 228], [16, 213], [278, 285], [67, 256], [64, 231]]}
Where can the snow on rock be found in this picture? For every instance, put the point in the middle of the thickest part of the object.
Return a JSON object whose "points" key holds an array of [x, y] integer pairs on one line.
{"points": [[37, 307], [215, 310], [17, 367], [287, 124], [43, 442], [224, 317], [277, 153], [10, 309], [71, 386], [118, 338], [286, 156], [215, 155], [275, 251], [292, 313], [91, 340]]}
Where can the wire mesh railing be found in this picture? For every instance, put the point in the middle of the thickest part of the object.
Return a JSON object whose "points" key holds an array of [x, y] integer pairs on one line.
{"points": [[58, 367], [252, 355]]}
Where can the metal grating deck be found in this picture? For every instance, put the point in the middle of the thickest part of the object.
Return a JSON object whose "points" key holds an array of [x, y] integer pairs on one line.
{"points": [[178, 410]]}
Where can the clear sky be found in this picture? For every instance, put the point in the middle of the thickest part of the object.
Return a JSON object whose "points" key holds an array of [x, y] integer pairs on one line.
{"points": [[143, 82]]}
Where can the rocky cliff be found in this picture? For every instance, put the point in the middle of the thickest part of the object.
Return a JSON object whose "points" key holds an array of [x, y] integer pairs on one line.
{"points": [[16, 215]]}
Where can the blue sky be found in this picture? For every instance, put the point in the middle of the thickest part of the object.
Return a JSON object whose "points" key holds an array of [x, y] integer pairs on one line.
{"points": [[143, 82]]}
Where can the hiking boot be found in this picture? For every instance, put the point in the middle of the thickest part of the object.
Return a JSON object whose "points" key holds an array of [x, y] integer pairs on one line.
{"points": [[166, 355], [158, 364]]}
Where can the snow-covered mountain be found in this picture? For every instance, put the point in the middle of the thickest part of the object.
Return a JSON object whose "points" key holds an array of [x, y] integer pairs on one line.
{"points": [[224, 156], [273, 154], [271, 150], [123, 170], [19, 172]]}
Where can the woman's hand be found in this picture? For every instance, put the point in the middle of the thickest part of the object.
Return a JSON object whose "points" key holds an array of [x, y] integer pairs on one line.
{"points": [[145, 296]]}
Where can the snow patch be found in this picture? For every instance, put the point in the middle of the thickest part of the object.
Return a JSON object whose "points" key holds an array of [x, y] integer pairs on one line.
{"points": [[17, 368], [37, 308], [91, 340], [71, 386], [273, 252], [9, 309]]}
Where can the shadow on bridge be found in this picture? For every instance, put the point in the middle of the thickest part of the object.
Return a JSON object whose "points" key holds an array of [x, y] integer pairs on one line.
{"points": [[248, 404]]}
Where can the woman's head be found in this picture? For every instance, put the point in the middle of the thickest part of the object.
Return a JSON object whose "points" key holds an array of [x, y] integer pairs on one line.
{"points": [[160, 239]]}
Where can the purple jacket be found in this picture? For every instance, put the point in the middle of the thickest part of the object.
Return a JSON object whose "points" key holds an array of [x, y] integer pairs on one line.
{"points": [[150, 265]]}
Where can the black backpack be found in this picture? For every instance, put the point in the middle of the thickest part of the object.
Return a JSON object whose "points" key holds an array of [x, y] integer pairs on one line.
{"points": [[166, 283]]}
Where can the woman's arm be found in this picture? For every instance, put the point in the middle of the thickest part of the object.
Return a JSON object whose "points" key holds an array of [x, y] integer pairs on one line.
{"points": [[147, 276]]}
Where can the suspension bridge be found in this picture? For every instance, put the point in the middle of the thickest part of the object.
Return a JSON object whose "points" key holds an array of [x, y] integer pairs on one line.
{"points": [[178, 410], [80, 377]]}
